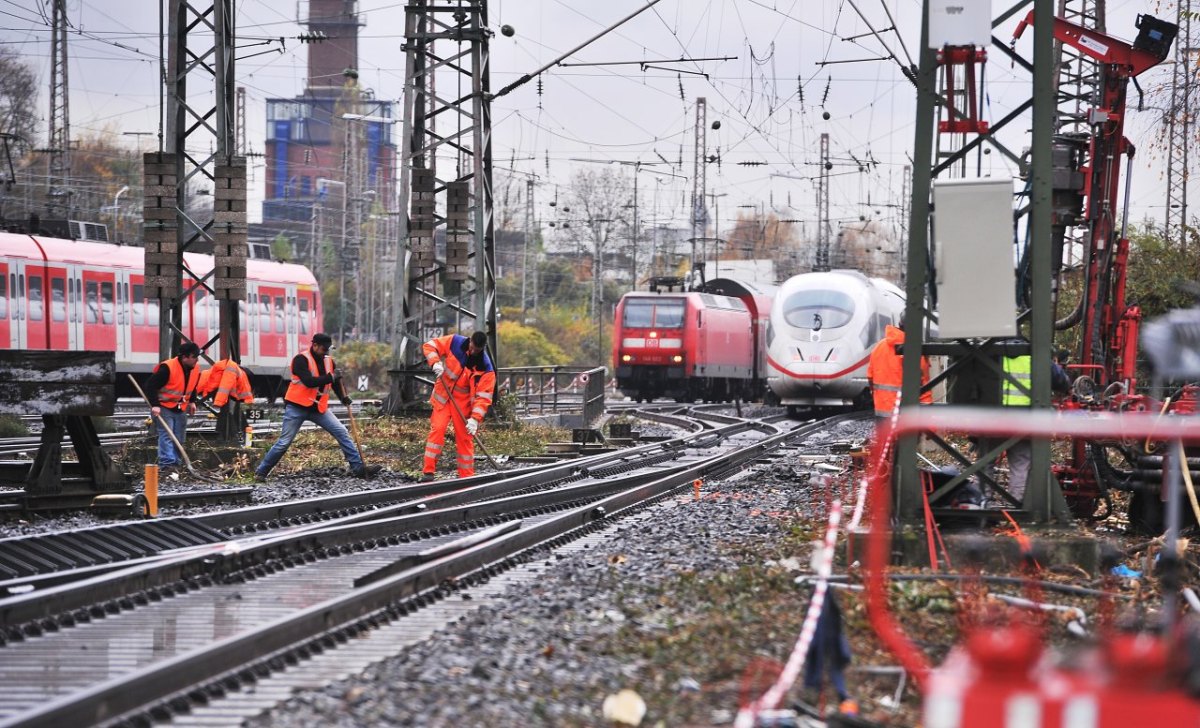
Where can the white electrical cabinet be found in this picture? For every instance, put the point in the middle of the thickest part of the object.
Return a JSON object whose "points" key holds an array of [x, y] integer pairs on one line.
{"points": [[973, 251], [960, 23]]}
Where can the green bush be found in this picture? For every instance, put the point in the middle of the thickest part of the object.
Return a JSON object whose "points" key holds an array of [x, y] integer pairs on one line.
{"points": [[363, 358], [13, 426]]}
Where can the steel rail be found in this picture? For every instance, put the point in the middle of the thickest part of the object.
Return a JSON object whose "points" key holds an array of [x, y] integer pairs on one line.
{"points": [[116, 698]]}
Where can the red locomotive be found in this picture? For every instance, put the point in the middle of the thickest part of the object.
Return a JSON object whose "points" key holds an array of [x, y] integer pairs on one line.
{"points": [[706, 344], [73, 295]]}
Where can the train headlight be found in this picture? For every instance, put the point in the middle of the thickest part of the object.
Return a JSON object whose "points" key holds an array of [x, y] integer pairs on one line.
{"points": [[626, 357], [678, 358]]}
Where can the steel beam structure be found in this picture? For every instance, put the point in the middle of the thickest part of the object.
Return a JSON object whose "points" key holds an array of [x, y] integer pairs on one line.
{"points": [[58, 198], [824, 227], [201, 39], [446, 47], [699, 182], [1179, 127]]}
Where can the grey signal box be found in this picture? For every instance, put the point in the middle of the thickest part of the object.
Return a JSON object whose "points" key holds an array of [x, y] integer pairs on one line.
{"points": [[973, 251]]}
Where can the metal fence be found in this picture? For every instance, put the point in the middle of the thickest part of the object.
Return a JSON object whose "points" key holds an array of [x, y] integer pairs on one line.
{"points": [[555, 390]]}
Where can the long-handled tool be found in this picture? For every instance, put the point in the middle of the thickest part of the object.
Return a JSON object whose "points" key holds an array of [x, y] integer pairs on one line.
{"points": [[178, 446], [445, 385], [354, 433]]}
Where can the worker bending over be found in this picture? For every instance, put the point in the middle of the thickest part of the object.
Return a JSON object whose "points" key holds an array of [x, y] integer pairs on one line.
{"points": [[464, 383], [226, 381], [171, 390]]}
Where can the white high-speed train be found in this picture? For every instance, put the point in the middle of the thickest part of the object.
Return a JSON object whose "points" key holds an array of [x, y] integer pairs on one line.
{"points": [[820, 335]]}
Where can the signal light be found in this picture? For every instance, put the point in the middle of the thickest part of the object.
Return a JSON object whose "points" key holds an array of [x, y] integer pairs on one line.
{"points": [[678, 359]]}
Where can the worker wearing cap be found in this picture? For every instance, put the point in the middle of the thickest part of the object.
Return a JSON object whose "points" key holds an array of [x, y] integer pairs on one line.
{"points": [[307, 400], [465, 381], [170, 391]]}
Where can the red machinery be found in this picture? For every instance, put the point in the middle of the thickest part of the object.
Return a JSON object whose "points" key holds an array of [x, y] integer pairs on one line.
{"points": [[1004, 674], [1109, 333]]}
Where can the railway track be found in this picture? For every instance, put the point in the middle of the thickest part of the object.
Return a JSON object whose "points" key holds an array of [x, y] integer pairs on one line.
{"points": [[168, 631]]}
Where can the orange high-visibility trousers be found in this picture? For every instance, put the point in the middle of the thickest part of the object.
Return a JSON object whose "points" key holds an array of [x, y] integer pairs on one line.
{"points": [[442, 417]]}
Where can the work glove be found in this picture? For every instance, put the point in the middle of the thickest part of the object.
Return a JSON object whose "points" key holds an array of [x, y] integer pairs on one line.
{"points": [[472, 427], [347, 401], [438, 368]]}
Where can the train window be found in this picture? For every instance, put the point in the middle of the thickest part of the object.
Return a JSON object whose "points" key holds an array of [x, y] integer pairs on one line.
{"points": [[152, 312], [20, 291], [264, 314], [106, 302], [817, 309], [304, 314], [248, 313], [241, 315], [12, 279], [92, 298], [3, 296], [139, 305], [647, 312], [58, 299], [280, 310], [35, 298]]}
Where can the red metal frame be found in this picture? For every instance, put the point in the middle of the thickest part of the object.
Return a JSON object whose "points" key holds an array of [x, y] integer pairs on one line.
{"points": [[1127, 680], [968, 57], [1109, 326]]}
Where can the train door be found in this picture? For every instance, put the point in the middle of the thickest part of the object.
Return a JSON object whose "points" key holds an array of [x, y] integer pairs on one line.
{"points": [[55, 294], [124, 317], [248, 313], [31, 280], [8, 332], [16, 311], [272, 326], [99, 310]]}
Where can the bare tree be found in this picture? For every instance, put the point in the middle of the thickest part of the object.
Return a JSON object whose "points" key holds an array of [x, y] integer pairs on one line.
{"points": [[598, 203], [18, 99]]}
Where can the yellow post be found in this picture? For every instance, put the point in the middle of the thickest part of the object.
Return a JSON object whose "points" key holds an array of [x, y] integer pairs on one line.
{"points": [[249, 436], [152, 489], [696, 485]]}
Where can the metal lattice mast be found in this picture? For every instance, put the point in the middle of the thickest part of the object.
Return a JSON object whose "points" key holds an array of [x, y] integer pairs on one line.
{"points": [[59, 178], [1077, 85], [699, 181], [905, 203], [202, 43], [1179, 128], [459, 28], [525, 246], [821, 260], [240, 134]]}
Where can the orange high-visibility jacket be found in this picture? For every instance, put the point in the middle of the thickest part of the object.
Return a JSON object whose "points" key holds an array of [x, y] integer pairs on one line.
{"points": [[227, 380], [885, 370], [304, 396], [176, 392], [473, 389]]}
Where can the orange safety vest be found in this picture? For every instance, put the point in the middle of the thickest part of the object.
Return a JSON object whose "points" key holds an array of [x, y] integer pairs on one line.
{"points": [[226, 379], [304, 396], [176, 392], [886, 372], [472, 392]]}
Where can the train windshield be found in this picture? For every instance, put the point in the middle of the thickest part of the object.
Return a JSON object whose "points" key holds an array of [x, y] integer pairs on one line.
{"points": [[818, 309], [647, 313]]}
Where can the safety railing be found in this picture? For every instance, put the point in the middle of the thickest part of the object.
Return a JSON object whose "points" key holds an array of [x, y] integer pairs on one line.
{"points": [[555, 390]]}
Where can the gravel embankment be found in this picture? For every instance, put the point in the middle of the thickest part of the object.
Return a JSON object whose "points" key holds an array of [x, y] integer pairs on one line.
{"points": [[536, 660]]}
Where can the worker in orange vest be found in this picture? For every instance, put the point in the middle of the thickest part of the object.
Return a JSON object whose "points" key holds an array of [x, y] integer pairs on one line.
{"points": [[307, 400], [226, 380], [885, 372], [171, 392], [464, 384]]}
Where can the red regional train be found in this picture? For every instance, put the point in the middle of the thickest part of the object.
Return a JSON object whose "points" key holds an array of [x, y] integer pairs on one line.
{"points": [[706, 344], [81, 295]]}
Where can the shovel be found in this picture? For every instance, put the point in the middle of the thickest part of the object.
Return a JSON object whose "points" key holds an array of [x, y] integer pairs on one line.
{"points": [[443, 379], [178, 446], [354, 432]]}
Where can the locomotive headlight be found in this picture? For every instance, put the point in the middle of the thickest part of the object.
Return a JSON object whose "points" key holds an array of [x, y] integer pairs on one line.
{"points": [[627, 357], [678, 359], [653, 334]]}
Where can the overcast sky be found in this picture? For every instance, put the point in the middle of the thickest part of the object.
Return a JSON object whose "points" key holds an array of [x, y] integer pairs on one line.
{"points": [[770, 97]]}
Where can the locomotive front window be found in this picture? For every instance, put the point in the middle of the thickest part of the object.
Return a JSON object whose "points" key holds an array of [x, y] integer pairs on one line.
{"points": [[818, 310], [650, 313]]}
